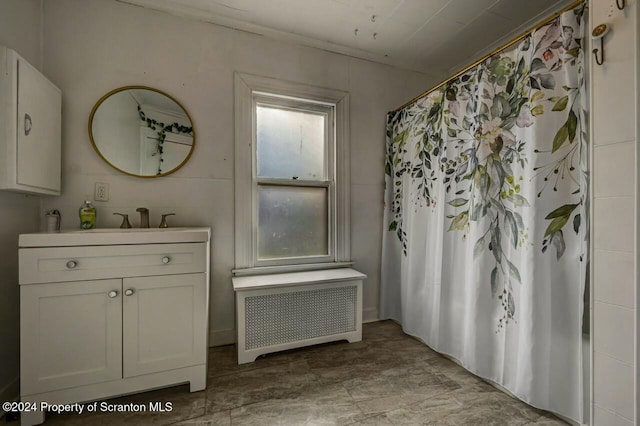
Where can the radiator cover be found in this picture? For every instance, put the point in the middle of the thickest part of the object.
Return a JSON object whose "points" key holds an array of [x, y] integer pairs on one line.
{"points": [[274, 319], [284, 317]]}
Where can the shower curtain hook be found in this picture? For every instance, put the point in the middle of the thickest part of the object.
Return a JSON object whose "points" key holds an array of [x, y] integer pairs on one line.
{"points": [[598, 33], [618, 4]]}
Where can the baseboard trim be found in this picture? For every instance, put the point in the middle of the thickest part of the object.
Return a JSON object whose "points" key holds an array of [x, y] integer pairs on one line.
{"points": [[11, 392], [222, 337], [370, 315]]}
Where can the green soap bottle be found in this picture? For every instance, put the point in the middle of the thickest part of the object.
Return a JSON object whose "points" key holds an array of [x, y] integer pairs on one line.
{"points": [[87, 215]]}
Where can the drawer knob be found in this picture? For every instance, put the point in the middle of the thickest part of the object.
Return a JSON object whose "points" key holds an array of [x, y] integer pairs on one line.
{"points": [[166, 259], [113, 294], [71, 264], [129, 292]]}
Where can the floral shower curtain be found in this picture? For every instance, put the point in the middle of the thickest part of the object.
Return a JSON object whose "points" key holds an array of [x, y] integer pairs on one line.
{"points": [[486, 242]]}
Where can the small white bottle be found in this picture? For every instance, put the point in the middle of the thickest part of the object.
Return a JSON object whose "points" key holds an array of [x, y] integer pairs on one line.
{"points": [[53, 221]]}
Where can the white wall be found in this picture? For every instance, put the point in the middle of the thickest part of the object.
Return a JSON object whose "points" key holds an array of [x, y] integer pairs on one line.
{"points": [[93, 46], [20, 24], [614, 117]]}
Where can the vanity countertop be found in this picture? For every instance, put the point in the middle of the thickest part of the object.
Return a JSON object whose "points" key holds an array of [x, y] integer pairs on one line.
{"points": [[114, 236]]}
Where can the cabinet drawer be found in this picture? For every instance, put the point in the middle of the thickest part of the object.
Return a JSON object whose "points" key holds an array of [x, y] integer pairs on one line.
{"points": [[58, 264]]}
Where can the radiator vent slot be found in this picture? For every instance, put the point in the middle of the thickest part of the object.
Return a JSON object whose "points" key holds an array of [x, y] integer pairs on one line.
{"points": [[275, 319]]}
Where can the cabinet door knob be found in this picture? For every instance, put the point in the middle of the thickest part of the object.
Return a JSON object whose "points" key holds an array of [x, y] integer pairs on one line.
{"points": [[71, 264], [166, 259], [113, 294], [128, 292]]}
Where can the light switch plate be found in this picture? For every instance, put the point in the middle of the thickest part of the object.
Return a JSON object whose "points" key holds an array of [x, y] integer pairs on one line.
{"points": [[101, 192]]}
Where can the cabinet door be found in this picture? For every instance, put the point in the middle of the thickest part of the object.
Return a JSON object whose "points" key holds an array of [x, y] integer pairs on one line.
{"points": [[71, 334], [164, 323], [39, 109]]}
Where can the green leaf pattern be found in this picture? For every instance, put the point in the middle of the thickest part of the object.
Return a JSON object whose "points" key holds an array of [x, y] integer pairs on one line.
{"points": [[458, 146]]}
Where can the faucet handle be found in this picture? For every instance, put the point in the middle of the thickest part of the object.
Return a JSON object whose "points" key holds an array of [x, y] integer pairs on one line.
{"points": [[125, 220], [163, 222]]}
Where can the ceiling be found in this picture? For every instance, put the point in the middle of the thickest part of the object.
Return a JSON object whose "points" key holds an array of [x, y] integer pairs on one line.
{"points": [[437, 36]]}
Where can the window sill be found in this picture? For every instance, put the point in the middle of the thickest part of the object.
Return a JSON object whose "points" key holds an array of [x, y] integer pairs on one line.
{"points": [[341, 276], [266, 270]]}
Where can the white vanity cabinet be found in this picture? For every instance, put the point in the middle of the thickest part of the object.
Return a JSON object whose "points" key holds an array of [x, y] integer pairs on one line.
{"points": [[30, 128], [105, 320], [71, 335]]}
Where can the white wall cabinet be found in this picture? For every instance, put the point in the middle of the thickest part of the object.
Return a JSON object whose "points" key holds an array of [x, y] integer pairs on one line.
{"points": [[104, 320], [30, 128]]}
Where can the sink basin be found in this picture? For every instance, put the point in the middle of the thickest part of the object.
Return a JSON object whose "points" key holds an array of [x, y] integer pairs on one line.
{"points": [[114, 236]]}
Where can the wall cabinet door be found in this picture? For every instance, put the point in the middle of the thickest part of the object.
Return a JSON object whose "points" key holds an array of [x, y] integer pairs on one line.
{"points": [[71, 334], [39, 122], [164, 323], [30, 128]]}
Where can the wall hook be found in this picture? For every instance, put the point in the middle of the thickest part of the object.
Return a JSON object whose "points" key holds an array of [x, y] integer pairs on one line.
{"points": [[599, 58], [620, 4], [598, 33]]}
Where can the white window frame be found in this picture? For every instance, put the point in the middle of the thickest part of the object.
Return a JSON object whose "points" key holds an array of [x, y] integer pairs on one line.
{"points": [[294, 104], [250, 90]]}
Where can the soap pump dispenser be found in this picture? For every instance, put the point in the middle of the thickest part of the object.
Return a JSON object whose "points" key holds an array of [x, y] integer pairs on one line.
{"points": [[88, 215]]}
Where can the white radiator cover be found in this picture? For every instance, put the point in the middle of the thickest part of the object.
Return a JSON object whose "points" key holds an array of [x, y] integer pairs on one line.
{"points": [[274, 314]]}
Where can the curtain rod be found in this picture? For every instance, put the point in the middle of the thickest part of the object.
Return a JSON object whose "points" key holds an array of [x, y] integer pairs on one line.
{"points": [[493, 52]]}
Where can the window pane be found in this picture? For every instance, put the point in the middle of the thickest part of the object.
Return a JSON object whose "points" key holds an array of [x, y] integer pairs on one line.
{"points": [[290, 144], [292, 222]]}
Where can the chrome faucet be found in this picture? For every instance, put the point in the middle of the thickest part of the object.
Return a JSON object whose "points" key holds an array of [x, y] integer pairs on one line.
{"points": [[144, 217]]}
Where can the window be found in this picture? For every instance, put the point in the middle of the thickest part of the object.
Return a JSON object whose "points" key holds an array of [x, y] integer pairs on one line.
{"points": [[293, 180], [291, 176]]}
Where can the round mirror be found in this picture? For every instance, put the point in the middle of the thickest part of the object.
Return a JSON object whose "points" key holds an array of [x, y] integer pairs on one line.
{"points": [[141, 131]]}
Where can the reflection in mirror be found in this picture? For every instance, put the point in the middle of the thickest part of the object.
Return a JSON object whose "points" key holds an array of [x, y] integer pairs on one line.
{"points": [[141, 131]]}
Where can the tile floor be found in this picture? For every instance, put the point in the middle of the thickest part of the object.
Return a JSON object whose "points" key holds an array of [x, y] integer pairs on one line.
{"points": [[387, 379]]}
